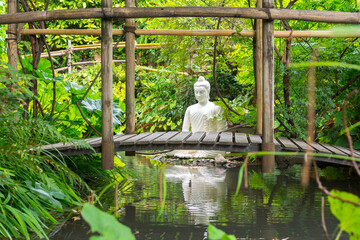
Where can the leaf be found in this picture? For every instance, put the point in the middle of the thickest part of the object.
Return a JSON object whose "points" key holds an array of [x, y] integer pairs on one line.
{"points": [[94, 106], [348, 214], [105, 224], [357, 144], [74, 88], [43, 194], [217, 234]]}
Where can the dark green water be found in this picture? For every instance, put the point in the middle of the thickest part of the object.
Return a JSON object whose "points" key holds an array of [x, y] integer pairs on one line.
{"points": [[177, 202]]}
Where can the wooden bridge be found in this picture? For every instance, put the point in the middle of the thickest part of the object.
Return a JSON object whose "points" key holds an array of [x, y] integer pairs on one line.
{"points": [[224, 141]]}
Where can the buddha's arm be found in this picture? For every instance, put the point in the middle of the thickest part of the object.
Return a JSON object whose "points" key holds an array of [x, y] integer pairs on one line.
{"points": [[186, 121]]}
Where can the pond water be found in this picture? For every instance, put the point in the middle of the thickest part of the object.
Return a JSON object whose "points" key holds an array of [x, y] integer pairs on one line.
{"points": [[177, 202]]}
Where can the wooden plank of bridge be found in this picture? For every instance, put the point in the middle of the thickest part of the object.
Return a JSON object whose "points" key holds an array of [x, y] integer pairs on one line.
{"points": [[121, 138], [94, 142], [287, 144], [241, 139], [195, 138], [345, 150], [277, 144], [302, 145], [179, 138], [226, 138], [163, 139], [255, 139], [134, 139], [319, 148], [148, 139], [210, 138], [357, 152], [334, 150]]}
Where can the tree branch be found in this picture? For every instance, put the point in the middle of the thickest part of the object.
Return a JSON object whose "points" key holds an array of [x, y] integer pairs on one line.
{"points": [[347, 85], [324, 190], [277, 52], [86, 120]]}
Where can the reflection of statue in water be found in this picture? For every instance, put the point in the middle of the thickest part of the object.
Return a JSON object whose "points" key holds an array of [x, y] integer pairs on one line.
{"points": [[204, 190], [203, 116]]}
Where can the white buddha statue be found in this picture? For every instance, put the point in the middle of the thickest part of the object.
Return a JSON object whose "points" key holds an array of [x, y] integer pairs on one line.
{"points": [[203, 116]]}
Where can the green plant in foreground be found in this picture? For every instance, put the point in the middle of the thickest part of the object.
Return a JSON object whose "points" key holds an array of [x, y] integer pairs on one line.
{"points": [[33, 188], [105, 224], [217, 234], [348, 214], [110, 228]]}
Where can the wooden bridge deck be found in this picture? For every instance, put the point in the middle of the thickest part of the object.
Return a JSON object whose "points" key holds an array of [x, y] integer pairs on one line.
{"points": [[224, 141]]}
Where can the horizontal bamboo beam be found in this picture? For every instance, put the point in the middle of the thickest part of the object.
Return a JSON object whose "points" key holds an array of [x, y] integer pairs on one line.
{"points": [[157, 70], [94, 62], [96, 46], [182, 32], [160, 12], [85, 63]]}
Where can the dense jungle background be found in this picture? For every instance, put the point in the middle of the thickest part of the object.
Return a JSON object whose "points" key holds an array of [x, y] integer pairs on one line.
{"points": [[39, 105]]}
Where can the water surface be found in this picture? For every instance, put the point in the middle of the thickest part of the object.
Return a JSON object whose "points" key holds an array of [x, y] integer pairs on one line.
{"points": [[177, 202]]}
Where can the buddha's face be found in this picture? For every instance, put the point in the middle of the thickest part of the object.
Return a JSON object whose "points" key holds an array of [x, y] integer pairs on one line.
{"points": [[201, 94]]}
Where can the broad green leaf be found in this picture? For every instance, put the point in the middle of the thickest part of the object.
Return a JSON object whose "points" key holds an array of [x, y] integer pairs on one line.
{"points": [[74, 88], [105, 224], [348, 214], [217, 234]]}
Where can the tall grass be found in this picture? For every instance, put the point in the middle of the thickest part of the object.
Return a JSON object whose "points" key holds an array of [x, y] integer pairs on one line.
{"points": [[33, 187]]}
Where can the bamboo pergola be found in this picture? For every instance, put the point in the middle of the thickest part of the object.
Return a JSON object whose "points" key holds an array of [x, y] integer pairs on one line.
{"points": [[184, 32], [265, 51]]}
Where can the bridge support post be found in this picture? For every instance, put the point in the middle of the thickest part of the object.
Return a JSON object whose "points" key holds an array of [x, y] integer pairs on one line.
{"points": [[259, 72], [130, 73], [268, 161], [107, 143], [12, 36]]}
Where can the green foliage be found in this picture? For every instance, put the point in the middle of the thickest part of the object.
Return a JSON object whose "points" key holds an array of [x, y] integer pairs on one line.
{"points": [[32, 187], [69, 91], [14, 91], [217, 234], [3, 55], [348, 214], [105, 224], [162, 102]]}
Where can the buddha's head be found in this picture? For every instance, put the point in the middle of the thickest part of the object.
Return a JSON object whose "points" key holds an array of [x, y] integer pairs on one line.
{"points": [[202, 89]]}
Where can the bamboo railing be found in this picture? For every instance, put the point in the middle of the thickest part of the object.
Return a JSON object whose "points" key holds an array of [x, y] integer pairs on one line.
{"points": [[161, 12], [184, 32]]}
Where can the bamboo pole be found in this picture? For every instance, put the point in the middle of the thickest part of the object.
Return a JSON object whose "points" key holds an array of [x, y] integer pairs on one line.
{"points": [[268, 161], [259, 72], [183, 32], [130, 73], [69, 56], [94, 62], [85, 63], [12, 36], [165, 71], [107, 143], [161, 12], [74, 48]]}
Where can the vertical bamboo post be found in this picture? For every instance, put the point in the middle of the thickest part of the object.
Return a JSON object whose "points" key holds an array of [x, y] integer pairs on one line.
{"points": [[268, 161], [130, 73], [107, 143], [259, 72], [69, 56], [12, 36]]}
